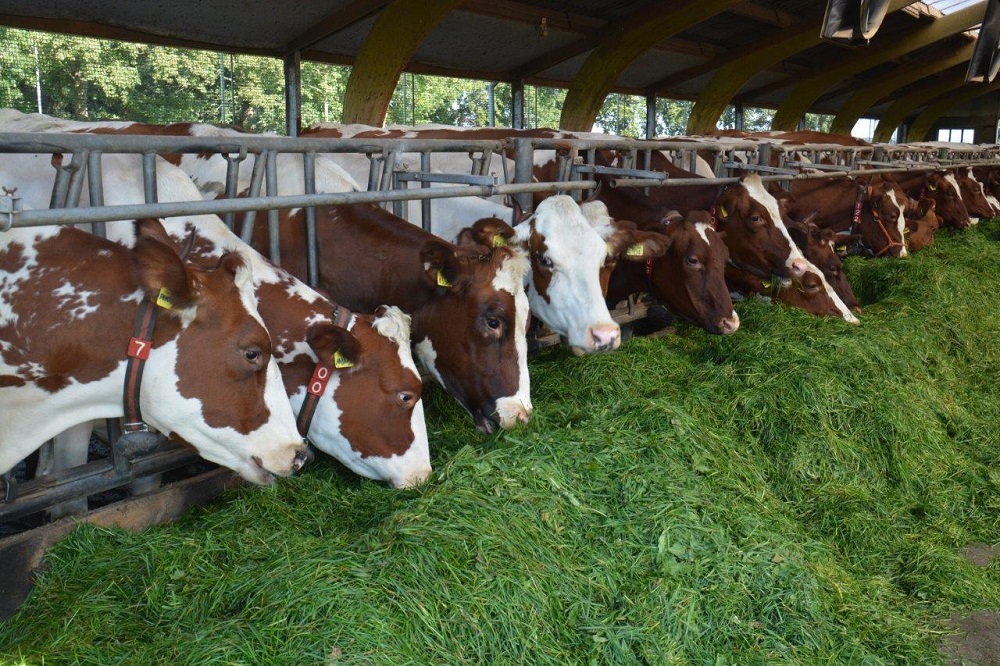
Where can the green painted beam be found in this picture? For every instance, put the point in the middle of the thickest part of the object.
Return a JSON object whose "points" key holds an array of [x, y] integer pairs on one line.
{"points": [[620, 48], [904, 106], [390, 44], [925, 119], [805, 94], [866, 97]]}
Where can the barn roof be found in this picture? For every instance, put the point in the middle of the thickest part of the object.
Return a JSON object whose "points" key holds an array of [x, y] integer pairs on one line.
{"points": [[758, 53]]}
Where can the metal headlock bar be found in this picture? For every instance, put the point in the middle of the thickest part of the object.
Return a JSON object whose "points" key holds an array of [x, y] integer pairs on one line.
{"points": [[575, 163]]}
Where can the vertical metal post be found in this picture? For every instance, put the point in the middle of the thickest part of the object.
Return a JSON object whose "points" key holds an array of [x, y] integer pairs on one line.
{"points": [[222, 87], [78, 167], [232, 182], [491, 109], [650, 115], [312, 254], [425, 204], [149, 177], [517, 104], [523, 171], [95, 183], [293, 93], [256, 178], [739, 113], [271, 177]]}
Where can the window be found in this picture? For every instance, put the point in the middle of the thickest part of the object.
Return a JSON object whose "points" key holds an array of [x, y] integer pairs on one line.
{"points": [[956, 135]]}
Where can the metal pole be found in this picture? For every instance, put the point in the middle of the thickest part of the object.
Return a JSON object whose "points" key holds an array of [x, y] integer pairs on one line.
{"points": [[517, 104], [271, 178], [312, 258], [523, 170], [95, 182], [293, 93], [740, 116], [222, 87], [650, 115], [491, 110]]}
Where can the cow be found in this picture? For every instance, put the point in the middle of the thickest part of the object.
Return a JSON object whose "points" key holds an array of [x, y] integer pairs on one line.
{"points": [[974, 194], [921, 223], [688, 277], [208, 378], [370, 415]]}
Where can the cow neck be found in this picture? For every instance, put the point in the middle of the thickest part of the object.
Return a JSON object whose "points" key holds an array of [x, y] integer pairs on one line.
{"points": [[321, 375]]}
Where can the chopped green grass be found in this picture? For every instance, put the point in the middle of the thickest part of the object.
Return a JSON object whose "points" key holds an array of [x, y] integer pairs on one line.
{"points": [[798, 492]]}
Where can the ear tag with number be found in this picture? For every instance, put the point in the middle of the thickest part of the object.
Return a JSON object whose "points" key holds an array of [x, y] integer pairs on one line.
{"points": [[340, 361], [499, 241], [442, 281], [636, 250], [723, 212], [165, 299]]}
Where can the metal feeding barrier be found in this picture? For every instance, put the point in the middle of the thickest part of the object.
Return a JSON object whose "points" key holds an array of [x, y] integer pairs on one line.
{"points": [[495, 168]]}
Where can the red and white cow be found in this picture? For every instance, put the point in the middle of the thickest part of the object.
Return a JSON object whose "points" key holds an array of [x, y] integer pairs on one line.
{"points": [[209, 379], [370, 415], [940, 186]]}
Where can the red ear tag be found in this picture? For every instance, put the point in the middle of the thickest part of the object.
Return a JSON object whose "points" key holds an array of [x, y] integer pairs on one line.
{"points": [[320, 378], [138, 348]]}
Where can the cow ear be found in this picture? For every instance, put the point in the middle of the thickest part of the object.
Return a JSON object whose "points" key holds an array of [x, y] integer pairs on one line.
{"points": [[489, 231], [440, 264], [333, 345], [158, 269], [646, 245]]}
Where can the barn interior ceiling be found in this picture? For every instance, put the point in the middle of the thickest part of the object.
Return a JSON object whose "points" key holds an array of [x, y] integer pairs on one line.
{"points": [[764, 53]]}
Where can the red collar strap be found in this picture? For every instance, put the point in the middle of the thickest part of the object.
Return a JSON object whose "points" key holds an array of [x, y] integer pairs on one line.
{"points": [[857, 209], [321, 375]]}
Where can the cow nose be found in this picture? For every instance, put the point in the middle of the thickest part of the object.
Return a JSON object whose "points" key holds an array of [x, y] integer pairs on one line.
{"points": [[412, 479], [799, 267], [302, 456], [605, 336], [730, 324]]}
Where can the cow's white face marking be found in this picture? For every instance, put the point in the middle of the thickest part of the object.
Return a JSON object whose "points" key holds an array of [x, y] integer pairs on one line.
{"points": [[900, 223], [702, 229], [510, 278], [427, 357], [757, 191]]}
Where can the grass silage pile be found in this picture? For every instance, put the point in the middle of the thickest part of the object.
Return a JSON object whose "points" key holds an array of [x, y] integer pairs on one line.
{"points": [[798, 492]]}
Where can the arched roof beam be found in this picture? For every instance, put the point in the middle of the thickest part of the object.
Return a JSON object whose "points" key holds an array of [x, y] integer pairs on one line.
{"points": [[904, 106], [606, 63], [867, 96], [808, 91], [925, 119], [393, 40]]}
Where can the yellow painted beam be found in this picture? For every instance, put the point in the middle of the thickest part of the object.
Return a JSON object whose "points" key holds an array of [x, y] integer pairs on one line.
{"points": [[925, 119], [866, 97], [394, 38], [805, 94], [904, 106], [606, 63]]}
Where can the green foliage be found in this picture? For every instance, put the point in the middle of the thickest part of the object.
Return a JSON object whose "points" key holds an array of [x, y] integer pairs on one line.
{"points": [[796, 493]]}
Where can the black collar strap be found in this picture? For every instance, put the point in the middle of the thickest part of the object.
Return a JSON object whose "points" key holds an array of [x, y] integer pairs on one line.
{"points": [[139, 347], [321, 375]]}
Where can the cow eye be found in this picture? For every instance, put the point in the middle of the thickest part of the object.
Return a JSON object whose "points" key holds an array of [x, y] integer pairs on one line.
{"points": [[756, 221], [692, 260], [493, 322], [544, 260], [252, 355], [406, 399]]}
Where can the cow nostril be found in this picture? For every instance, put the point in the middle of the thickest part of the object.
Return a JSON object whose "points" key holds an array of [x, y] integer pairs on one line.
{"points": [[257, 461], [302, 456]]}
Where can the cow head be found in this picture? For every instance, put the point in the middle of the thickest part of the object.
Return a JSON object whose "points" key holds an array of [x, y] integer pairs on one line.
{"points": [[882, 225], [689, 278], [812, 293], [567, 257], [477, 320], [921, 223], [757, 239], [973, 194], [943, 188], [370, 415], [819, 247]]}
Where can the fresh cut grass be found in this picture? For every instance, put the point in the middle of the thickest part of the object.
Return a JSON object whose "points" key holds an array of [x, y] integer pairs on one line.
{"points": [[796, 493]]}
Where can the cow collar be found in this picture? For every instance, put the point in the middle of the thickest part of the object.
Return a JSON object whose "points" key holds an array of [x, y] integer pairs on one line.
{"points": [[136, 436], [864, 192], [321, 375]]}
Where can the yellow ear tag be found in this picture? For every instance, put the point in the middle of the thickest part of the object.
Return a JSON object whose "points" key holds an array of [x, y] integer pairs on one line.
{"points": [[906, 231], [841, 248], [165, 299], [341, 361], [723, 212], [636, 250], [932, 188], [442, 280], [766, 284], [499, 241]]}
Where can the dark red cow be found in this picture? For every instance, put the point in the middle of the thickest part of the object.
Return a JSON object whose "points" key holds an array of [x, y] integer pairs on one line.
{"points": [[940, 186], [689, 279]]}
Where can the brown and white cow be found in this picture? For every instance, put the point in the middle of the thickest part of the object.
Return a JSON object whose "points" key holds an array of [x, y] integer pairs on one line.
{"points": [[370, 415], [940, 186], [688, 277], [921, 222], [974, 194], [209, 379]]}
